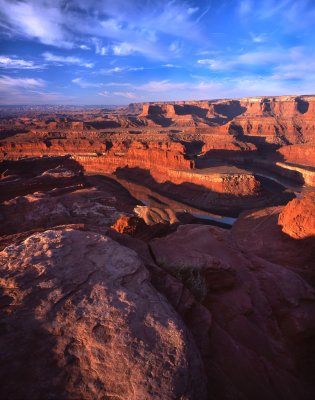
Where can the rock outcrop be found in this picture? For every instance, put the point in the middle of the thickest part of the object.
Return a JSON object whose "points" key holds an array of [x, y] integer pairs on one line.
{"points": [[80, 319], [298, 218], [262, 312], [281, 235]]}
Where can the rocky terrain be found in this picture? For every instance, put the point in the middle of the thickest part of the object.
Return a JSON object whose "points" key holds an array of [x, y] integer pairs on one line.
{"points": [[159, 251]]}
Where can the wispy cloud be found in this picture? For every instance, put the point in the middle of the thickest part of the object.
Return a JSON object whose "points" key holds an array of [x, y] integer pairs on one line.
{"points": [[169, 65], [36, 19], [9, 82], [204, 13], [99, 48], [118, 84], [83, 84], [127, 95], [17, 63], [192, 10], [176, 48], [117, 70], [124, 49], [291, 15], [270, 57], [269, 8], [105, 93], [127, 26], [84, 47], [259, 38], [24, 91], [86, 84], [119, 94], [155, 49], [20, 96], [66, 60]]}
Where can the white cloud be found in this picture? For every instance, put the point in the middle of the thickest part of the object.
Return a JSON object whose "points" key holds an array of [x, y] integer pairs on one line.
{"points": [[41, 20], [267, 57], [8, 82], [84, 47], [259, 38], [118, 84], [20, 96], [16, 63], [112, 24], [66, 60], [112, 70], [84, 85], [261, 57], [28, 91], [124, 49], [203, 14], [170, 66], [161, 86], [270, 8], [192, 10], [291, 15], [104, 94], [99, 48], [129, 26], [116, 70], [166, 85], [216, 64], [127, 95], [176, 48]]}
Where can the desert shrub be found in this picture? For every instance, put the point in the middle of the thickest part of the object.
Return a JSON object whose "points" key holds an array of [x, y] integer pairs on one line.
{"points": [[194, 280]]}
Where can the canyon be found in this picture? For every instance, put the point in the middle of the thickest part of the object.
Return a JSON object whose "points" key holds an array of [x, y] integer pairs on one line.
{"points": [[159, 250]]}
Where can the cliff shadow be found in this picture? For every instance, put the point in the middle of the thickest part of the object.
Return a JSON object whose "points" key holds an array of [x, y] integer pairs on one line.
{"points": [[267, 155], [264, 148], [229, 110], [104, 124], [160, 120], [203, 198], [224, 112], [192, 148], [302, 105], [112, 188], [216, 157], [12, 132], [33, 166], [187, 109], [22, 177]]}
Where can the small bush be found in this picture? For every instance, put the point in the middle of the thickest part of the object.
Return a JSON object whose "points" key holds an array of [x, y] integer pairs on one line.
{"points": [[194, 280]]}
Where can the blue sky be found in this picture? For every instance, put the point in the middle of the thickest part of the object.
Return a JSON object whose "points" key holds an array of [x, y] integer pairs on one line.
{"points": [[120, 51]]}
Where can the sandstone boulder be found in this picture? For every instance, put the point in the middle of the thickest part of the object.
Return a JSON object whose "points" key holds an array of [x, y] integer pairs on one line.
{"points": [[154, 215], [298, 217], [80, 320]]}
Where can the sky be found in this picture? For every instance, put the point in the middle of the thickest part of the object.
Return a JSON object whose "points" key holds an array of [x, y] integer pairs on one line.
{"points": [[99, 52]]}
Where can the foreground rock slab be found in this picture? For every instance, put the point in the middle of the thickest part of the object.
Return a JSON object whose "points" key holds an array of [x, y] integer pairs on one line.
{"points": [[261, 341], [80, 320]]}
